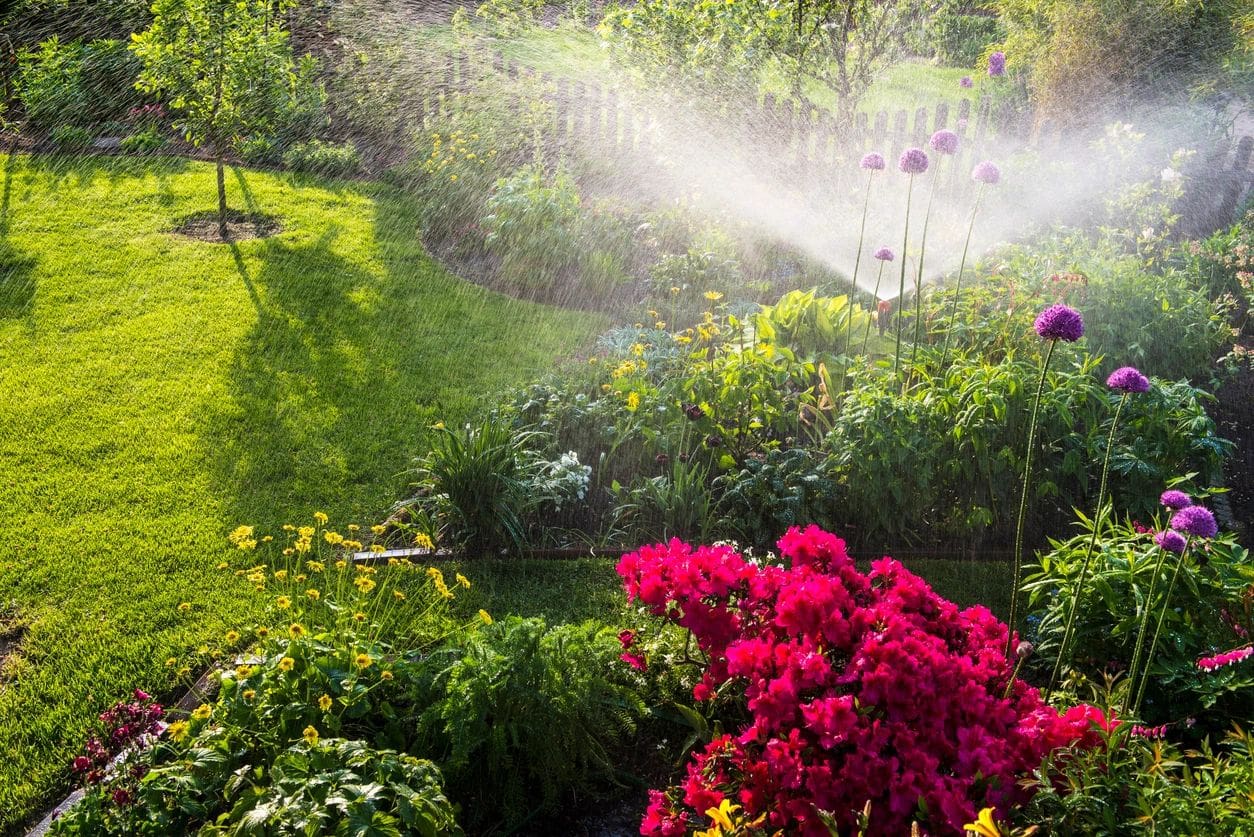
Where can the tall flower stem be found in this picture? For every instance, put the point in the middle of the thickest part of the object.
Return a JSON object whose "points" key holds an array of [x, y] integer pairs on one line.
{"points": [[1139, 647], [1158, 629], [918, 281], [1023, 503], [866, 203], [1088, 555], [901, 285], [953, 311], [866, 335]]}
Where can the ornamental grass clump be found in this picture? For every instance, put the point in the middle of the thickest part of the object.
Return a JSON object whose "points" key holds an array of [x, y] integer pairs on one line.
{"points": [[871, 163], [1126, 381], [913, 161], [860, 689], [1057, 322]]}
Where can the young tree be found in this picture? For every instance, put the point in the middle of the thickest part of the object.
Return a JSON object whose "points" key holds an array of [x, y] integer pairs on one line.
{"points": [[224, 65]]}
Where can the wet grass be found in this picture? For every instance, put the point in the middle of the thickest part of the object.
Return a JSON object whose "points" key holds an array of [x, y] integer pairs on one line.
{"points": [[162, 390]]}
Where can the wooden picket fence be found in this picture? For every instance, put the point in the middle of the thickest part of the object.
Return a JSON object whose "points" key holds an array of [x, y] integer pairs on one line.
{"points": [[800, 142]]}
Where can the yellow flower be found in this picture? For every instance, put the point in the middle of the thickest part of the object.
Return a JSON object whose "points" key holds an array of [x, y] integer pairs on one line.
{"points": [[184, 607], [637, 349], [313, 594], [423, 541], [985, 825], [302, 545], [232, 637], [362, 661], [280, 575], [462, 580], [202, 712], [378, 528], [675, 290], [287, 527], [385, 675], [296, 630], [364, 584], [353, 527], [377, 548], [170, 662], [222, 565], [177, 730], [320, 517], [310, 735], [339, 565], [286, 664], [306, 532], [283, 602], [324, 703], [315, 566], [633, 401], [263, 632], [299, 577], [242, 537], [398, 595], [713, 296], [243, 672], [721, 816], [485, 617], [333, 538], [359, 617], [249, 694]]}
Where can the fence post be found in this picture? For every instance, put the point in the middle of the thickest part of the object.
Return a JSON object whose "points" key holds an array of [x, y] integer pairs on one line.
{"points": [[942, 116], [920, 126]]}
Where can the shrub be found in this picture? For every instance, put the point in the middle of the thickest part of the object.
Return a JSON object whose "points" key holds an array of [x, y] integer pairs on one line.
{"points": [[1209, 613], [70, 138], [960, 39], [76, 84], [524, 716], [861, 689], [143, 142], [778, 490], [533, 223], [324, 158]]}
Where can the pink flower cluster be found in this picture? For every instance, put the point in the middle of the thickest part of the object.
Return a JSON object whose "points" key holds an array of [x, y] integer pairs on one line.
{"points": [[126, 723], [1226, 659], [860, 687]]}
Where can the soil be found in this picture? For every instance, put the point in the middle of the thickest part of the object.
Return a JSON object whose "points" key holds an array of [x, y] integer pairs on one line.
{"points": [[1234, 416], [240, 226]]}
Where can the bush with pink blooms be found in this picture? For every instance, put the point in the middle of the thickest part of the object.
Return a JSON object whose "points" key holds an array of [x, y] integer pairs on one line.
{"points": [[860, 688]]}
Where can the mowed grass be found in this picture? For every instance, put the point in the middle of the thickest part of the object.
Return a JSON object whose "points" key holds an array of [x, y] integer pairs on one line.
{"points": [[161, 390]]}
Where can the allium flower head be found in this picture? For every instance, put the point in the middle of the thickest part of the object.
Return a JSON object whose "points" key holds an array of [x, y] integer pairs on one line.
{"points": [[1170, 541], [913, 161], [1060, 322], [986, 172], [1128, 379], [944, 141], [874, 161], [1195, 520], [966, 81], [884, 254], [1175, 499], [997, 64]]}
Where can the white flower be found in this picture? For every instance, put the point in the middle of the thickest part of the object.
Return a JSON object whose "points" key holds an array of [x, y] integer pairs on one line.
{"points": [[1169, 174]]}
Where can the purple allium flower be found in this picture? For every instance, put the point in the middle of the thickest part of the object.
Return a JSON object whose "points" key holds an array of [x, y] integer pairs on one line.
{"points": [[874, 161], [913, 161], [1175, 499], [1170, 541], [944, 141], [884, 254], [997, 64], [1195, 520], [1128, 379], [986, 172], [1060, 322], [966, 81]]}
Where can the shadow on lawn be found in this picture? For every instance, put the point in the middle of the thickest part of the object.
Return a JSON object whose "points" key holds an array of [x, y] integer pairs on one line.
{"points": [[17, 283]]}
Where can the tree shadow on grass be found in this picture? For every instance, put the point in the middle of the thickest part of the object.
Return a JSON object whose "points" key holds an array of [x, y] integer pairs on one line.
{"points": [[321, 397]]}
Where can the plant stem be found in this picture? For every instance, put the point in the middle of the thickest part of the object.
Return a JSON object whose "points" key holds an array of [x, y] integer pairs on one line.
{"points": [[1158, 629], [918, 281], [901, 285], [1140, 634], [1023, 505], [867, 334], [1088, 555], [953, 312], [866, 203]]}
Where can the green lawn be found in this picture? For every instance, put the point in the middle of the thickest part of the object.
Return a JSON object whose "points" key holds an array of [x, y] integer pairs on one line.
{"points": [[161, 390]]}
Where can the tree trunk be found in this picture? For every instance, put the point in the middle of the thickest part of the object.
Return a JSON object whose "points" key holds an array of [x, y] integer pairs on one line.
{"points": [[221, 199]]}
